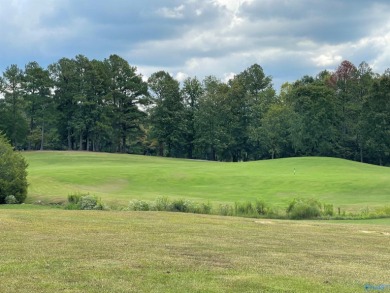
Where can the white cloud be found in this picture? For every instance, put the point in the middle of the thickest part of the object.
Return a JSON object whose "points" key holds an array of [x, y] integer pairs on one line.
{"points": [[176, 12], [201, 37], [180, 76], [327, 59], [228, 76]]}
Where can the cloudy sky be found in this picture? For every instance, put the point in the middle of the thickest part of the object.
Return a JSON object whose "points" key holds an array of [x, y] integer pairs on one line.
{"points": [[288, 38]]}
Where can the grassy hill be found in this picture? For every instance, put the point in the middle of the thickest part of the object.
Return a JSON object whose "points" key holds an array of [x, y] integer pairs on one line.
{"points": [[117, 178]]}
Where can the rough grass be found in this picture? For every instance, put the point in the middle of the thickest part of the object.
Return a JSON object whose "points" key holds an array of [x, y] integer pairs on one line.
{"points": [[90, 251], [119, 178]]}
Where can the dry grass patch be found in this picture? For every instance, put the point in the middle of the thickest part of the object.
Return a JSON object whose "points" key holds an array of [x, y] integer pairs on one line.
{"points": [[92, 251]]}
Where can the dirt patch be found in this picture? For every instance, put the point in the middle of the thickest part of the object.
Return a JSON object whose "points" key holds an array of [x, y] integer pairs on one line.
{"points": [[264, 222]]}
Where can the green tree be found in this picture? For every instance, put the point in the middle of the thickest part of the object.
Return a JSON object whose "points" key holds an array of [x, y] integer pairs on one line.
{"points": [[168, 115], [277, 127], [250, 96], [13, 173], [191, 92], [37, 92], [345, 81], [14, 121], [377, 121], [127, 95], [315, 130], [65, 76], [211, 121]]}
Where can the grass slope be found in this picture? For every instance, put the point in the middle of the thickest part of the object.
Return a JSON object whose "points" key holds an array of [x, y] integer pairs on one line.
{"points": [[117, 178], [92, 251]]}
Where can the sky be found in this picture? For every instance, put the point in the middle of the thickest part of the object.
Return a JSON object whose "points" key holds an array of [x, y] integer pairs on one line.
{"points": [[188, 38]]}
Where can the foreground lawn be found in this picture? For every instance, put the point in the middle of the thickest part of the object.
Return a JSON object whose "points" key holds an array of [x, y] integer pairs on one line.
{"points": [[118, 178], [90, 251]]}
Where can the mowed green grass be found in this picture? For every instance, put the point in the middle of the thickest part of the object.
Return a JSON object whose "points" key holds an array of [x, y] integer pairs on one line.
{"points": [[118, 178], [110, 251]]}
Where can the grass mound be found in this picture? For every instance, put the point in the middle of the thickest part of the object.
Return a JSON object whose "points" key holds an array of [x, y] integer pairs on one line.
{"points": [[117, 179]]}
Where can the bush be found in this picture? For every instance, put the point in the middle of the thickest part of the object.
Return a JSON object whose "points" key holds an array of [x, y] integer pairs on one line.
{"points": [[205, 208], [13, 173], [383, 212], [139, 205], [83, 202], [261, 208], [245, 209], [328, 210], [74, 198], [225, 210], [304, 209], [162, 204], [11, 199], [89, 202], [179, 205]]}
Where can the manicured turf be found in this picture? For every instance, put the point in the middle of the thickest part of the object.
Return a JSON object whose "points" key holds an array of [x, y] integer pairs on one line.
{"points": [[117, 178], [110, 251]]}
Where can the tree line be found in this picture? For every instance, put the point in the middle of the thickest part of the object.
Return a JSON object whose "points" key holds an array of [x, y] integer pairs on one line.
{"points": [[106, 106]]}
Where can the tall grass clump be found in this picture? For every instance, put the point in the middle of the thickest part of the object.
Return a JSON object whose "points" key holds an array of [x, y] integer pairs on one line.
{"points": [[249, 209], [301, 208], [225, 210], [162, 203]]}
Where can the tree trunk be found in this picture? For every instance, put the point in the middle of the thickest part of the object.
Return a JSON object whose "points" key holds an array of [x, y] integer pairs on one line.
{"points": [[160, 149], [42, 134], [69, 140], [123, 145], [81, 141]]}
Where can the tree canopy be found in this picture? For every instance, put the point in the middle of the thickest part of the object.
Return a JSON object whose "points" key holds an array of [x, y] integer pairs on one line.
{"points": [[13, 173], [105, 105]]}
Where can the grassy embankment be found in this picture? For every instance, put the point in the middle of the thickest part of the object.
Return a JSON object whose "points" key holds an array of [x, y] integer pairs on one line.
{"points": [[116, 179]]}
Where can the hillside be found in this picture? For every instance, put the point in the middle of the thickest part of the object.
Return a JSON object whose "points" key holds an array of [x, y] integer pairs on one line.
{"points": [[117, 178]]}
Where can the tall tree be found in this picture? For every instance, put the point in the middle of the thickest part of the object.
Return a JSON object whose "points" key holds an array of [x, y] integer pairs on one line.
{"points": [[345, 83], [314, 132], [251, 94], [168, 114], [276, 128], [128, 93], [65, 76], [192, 91], [37, 91], [212, 121], [14, 120], [377, 120]]}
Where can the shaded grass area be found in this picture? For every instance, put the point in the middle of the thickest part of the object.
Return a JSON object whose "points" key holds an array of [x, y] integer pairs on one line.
{"points": [[116, 179], [92, 251]]}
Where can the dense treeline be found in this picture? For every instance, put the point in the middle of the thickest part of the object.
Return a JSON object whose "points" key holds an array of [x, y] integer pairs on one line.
{"points": [[93, 105]]}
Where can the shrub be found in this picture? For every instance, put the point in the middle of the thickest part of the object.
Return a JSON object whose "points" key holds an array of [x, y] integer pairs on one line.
{"points": [[304, 209], [225, 210], [74, 198], [205, 208], [260, 207], [89, 202], [383, 212], [139, 205], [179, 205], [162, 204], [328, 210], [79, 201], [13, 173], [11, 199], [245, 209]]}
